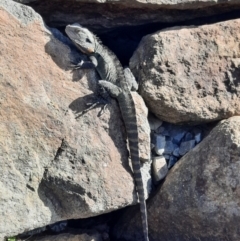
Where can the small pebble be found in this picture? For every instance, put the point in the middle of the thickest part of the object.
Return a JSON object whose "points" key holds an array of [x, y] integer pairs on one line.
{"points": [[169, 148], [186, 146], [188, 137], [160, 143], [178, 137], [160, 168], [176, 152], [172, 161], [198, 137]]}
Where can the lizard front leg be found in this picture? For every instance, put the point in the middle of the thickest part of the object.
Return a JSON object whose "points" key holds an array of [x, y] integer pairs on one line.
{"points": [[87, 64], [112, 89], [105, 88], [103, 95]]}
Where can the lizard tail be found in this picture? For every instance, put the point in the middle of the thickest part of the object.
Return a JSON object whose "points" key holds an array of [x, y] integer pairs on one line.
{"points": [[139, 187], [129, 115]]}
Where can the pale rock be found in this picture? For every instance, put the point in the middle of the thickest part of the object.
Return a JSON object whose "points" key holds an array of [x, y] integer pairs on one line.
{"points": [[199, 199], [160, 168], [189, 74], [53, 167], [160, 143], [143, 127]]}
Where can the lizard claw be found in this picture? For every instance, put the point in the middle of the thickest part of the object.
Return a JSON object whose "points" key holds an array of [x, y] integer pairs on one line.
{"points": [[103, 109], [75, 66]]}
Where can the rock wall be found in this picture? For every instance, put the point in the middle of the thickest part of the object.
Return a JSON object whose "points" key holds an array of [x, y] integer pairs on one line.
{"points": [[199, 199], [54, 166], [58, 162], [190, 74]]}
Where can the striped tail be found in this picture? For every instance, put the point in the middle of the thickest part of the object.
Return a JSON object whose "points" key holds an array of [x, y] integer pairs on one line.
{"points": [[127, 107]]}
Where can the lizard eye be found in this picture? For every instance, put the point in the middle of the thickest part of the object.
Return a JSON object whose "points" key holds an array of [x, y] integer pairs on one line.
{"points": [[88, 40]]}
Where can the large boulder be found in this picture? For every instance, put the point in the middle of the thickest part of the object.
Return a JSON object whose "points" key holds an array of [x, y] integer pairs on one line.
{"points": [[166, 3], [199, 199], [190, 74], [104, 15], [53, 166]]}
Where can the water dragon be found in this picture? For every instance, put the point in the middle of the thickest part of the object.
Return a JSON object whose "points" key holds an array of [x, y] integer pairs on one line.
{"points": [[116, 82]]}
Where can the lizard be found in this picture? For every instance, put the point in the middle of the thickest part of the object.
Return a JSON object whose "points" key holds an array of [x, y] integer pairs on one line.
{"points": [[114, 81]]}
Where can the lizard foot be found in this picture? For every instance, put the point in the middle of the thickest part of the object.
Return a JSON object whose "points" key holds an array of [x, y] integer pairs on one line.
{"points": [[102, 111], [75, 66]]}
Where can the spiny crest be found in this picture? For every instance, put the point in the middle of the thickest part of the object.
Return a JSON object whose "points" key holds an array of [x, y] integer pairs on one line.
{"points": [[109, 56]]}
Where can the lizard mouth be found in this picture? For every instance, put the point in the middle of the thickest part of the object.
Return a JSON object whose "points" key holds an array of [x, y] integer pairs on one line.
{"points": [[85, 50]]}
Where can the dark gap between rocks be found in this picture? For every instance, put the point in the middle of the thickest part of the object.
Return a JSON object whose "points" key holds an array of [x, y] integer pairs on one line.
{"points": [[123, 41], [102, 224]]}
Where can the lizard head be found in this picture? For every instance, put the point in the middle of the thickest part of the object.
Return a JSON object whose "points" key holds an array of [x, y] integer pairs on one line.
{"points": [[82, 38]]}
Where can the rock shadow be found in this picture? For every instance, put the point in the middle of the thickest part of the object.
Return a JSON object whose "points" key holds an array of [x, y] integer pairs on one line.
{"points": [[63, 52]]}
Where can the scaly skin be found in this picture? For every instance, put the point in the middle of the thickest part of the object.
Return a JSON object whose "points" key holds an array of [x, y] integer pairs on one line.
{"points": [[113, 80]]}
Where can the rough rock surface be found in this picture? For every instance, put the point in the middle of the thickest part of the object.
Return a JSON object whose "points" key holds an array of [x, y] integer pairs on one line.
{"points": [[190, 74], [52, 166], [166, 3], [111, 14], [143, 127], [199, 199]]}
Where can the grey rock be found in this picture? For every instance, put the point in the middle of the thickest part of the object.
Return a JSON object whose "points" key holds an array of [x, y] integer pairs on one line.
{"points": [[166, 156], [177, 136], [160, 142], [176, 152], [176, 132], [160, 130], [164, 131], [24, 14], [154, 123], [199, 199], [188, 137], [143, 127], [169, 148], [172, 161], [198, 137], [186, 146], [175, 89], [147, 179]]}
